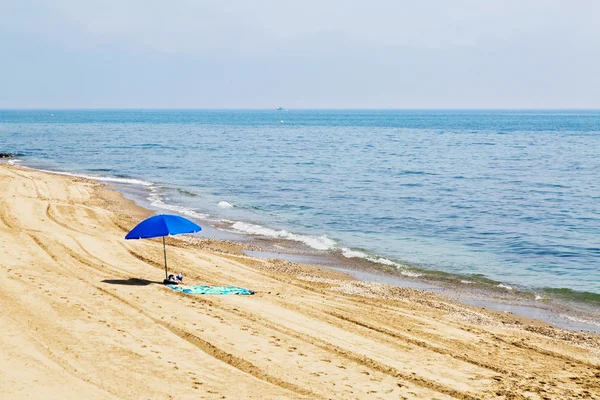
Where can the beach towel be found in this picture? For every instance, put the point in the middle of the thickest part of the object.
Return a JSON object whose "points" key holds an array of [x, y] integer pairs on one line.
{"points": [[211, 289]]}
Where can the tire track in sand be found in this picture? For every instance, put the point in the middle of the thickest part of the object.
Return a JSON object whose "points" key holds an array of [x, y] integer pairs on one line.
{"points": [[255, 371], [336, 350], [349, 355], [5, 217], [217, 353], [54, 356], [205, 346], [420, 343], [39, 195], [478, 331], [58, 222]]}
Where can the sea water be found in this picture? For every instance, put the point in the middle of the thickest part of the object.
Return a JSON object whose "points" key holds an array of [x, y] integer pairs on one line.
{"points": [[512, 197]]}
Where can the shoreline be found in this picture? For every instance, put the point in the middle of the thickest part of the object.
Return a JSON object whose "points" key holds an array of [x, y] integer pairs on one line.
{"points": [[78, 292], [566, 313], [156, 196]]}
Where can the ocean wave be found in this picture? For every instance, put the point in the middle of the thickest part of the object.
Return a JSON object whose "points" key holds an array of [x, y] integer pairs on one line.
{"points": [[186, 192], [315, 242], [411, 274], [581, 320], [500, 285], [412, 172], [130, 181], [156, 200], [14, 161], [570, 294], [349, 253], [225, 204]]}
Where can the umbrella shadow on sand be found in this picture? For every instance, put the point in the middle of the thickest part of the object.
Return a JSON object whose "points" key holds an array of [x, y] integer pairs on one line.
{"points": [[131, 282]]}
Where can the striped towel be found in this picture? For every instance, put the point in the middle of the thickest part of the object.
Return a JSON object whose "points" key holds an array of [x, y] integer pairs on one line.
{"points": [[211, 289]]}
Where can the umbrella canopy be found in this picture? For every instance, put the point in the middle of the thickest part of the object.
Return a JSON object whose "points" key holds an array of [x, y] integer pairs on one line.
{"points": [[163, 225]]}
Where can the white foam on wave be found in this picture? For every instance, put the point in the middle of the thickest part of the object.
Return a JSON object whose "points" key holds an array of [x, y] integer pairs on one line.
{"points": [[581, 320], [316, 242], [349, 253], [466, 282], [410, 273], [13, 161], [156, 200], [385, 261], [505, 287], [130, 181], [225, 204]]}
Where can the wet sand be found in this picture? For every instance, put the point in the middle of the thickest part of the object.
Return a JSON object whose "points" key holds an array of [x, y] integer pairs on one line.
{"points": [[85, 316]]}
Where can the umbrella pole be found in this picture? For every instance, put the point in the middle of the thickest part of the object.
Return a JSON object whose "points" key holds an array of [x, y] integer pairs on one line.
{"points": [[165, 250]]}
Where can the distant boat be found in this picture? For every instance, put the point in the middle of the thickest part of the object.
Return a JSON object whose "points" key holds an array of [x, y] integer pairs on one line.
{"points": [[280, 109]]}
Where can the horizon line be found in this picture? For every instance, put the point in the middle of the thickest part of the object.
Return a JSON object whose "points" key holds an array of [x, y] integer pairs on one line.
{"points": [[287, 109]]}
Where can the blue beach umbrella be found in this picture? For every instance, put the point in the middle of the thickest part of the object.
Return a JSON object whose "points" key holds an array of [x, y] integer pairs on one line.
{"points": [[163, 225]]}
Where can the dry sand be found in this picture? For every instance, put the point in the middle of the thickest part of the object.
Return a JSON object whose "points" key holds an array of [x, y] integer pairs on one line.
{"points": [[85, 317]]}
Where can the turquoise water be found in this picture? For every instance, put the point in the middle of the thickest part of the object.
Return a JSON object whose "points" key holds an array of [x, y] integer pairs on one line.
{"points": [[513, 196]]}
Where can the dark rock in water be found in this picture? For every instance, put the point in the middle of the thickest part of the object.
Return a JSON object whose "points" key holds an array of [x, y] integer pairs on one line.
{"points": [[8, 155]]}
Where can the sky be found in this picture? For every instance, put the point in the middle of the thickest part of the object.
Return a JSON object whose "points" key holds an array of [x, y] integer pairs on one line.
{"points": [[300, 54]]}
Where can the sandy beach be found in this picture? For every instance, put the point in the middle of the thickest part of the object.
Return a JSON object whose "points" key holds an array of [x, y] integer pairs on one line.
{"points": [[84, 315]]}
